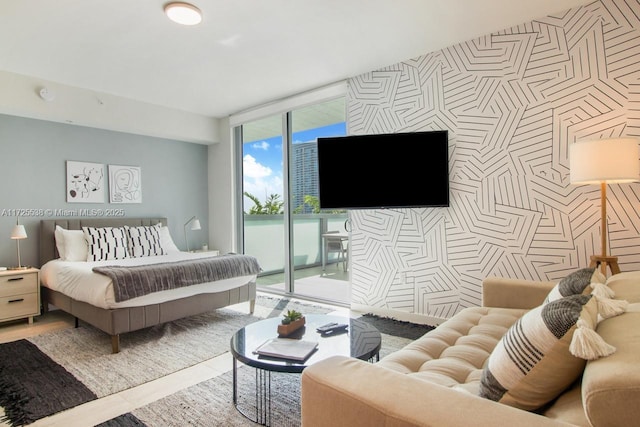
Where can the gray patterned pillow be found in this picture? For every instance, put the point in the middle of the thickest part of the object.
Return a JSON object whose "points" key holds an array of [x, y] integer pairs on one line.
{"points": [[533, 362], [144, 241], [105, 243], [576, 283]]}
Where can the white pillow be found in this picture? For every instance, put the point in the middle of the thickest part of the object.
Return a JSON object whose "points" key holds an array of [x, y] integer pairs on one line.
{"points": [[59, 241], [106, 243], [166, 241], [71, 244], [144, 241]]}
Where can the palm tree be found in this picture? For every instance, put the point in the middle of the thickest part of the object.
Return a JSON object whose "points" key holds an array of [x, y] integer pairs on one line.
{"points": [[272, 206]]}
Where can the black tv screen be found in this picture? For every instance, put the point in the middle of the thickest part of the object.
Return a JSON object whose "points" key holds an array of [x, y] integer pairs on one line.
{"points": [[398, 170]]}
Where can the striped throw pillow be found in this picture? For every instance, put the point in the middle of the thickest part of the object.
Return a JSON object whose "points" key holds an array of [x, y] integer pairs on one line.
{"points": [[144, 241], [533, 362], [576, 283], [106, 243]]}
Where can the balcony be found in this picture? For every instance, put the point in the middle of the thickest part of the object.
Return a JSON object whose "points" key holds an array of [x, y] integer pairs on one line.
{"points": [[264, 239]]}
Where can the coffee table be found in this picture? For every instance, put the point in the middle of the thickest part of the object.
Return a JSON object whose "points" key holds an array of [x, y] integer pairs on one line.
{"points": [[361, 340]]}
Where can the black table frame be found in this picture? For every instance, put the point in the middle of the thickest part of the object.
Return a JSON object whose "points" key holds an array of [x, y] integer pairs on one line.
{"points": [[361, 340]]}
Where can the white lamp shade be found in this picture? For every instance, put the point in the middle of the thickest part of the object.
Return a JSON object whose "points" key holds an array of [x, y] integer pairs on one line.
{"points": [[196, 225], [18, 232], [613, 160]]}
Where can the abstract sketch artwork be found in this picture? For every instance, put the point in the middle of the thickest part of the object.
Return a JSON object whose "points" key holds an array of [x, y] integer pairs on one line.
{"points": [[85, 182], [125, 185]]}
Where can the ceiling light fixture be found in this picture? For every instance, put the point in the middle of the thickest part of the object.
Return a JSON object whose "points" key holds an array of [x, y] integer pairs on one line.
{"points": [[183, 13]]}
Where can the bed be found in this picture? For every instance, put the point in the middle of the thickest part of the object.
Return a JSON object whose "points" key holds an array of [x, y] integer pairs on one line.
{"points": [[116, 316]]}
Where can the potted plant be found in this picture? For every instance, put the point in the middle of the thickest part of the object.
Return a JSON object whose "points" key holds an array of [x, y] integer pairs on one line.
{"points": [[292, 320]]}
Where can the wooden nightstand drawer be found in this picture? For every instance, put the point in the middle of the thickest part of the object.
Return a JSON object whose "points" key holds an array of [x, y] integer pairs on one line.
{"points": [[18, 283], [19, 294], [18, 306]]}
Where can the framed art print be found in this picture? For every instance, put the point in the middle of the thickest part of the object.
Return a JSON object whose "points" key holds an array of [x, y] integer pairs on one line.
{"points": [[85, 182], [125, 185]]}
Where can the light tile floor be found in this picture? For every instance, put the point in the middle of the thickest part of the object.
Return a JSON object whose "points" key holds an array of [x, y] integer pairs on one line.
{"points": [[106, 408]]}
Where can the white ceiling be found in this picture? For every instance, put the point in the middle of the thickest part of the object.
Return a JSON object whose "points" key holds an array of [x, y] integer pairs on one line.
{"points": [[245, 52]]}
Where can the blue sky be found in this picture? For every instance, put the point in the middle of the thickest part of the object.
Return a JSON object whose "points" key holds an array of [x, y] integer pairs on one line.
{"points": [[262, 160]]}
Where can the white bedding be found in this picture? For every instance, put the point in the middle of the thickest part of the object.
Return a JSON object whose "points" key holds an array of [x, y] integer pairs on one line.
{"points": [[78, 281]]}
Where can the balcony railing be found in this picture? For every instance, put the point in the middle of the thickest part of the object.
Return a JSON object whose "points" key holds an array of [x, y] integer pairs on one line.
{"points": [[264, 239]]}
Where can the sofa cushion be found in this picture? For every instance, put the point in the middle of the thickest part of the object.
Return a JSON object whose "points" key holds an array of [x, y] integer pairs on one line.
{"points": [[626, 286], [532, 364], [454, 354], [611, 385]]}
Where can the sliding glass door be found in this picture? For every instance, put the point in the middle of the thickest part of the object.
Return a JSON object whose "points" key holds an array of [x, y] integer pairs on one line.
{"points": [[263, 196], [282, 223], [310, 224]]}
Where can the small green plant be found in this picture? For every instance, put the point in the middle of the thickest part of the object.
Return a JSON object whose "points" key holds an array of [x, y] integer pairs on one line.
{"points": [[291, 316]]}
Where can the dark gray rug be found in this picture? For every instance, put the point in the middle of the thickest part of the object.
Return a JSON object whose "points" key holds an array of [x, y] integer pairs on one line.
{"points": [[398, 328]]}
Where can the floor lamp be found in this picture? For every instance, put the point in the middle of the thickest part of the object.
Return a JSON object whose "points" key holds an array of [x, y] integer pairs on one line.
{"points": [[605, 161]]}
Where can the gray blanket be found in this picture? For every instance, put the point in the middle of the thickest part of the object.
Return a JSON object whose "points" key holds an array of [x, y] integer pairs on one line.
{"points": [[137, 281]]}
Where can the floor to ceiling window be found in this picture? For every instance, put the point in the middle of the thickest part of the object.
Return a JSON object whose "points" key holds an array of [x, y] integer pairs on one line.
{"points": [[295, 243]]}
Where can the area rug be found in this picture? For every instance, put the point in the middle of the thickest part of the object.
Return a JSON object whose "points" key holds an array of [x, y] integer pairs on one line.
{"points": [[52, 372], [209, 403]]}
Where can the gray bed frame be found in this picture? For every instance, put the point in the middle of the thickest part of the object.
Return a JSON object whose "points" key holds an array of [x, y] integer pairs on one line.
{"points": [[121, 320]]}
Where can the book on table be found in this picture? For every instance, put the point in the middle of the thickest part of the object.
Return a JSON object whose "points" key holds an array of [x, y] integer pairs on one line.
{"points": [[287, 348]]}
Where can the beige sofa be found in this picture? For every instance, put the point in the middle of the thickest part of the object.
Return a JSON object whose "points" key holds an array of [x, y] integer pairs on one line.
{"points": [[434, 380]]}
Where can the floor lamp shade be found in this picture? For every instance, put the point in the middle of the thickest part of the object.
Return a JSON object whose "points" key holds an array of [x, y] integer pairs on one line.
{"points": [[603, 162]]}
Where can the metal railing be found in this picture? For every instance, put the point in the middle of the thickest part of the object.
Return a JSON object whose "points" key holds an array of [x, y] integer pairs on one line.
{"points": [[264, 239]]}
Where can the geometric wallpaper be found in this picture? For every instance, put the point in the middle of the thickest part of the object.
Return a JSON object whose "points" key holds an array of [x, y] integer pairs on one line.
{"points": [[512, 102]]}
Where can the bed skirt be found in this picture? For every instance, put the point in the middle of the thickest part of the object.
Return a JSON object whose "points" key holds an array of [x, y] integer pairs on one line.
{"points": [[121, 320]]}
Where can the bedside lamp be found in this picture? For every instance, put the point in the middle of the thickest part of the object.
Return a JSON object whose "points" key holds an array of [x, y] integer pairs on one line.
{"points": [[194, 226], [603, 162], [18, 233]]}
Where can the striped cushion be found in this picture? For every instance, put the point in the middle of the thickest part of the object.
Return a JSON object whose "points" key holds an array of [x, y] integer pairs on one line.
{"points": [[106, 243], [532, 363], [576, 283], [144, 241]]}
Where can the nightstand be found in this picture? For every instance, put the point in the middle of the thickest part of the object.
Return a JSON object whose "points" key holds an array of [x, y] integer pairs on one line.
{"points": [[19, 294], [212, 252]]}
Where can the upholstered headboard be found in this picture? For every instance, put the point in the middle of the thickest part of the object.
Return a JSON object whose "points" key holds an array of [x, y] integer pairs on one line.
{"points": [[48, 250]]}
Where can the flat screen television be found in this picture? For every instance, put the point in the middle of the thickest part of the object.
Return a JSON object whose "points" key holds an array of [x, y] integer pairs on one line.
{"points": [[398, 170]]}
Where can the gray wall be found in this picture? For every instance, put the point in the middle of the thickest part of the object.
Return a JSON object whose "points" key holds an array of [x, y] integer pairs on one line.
{"points": [[33, 155], [512, 101]]}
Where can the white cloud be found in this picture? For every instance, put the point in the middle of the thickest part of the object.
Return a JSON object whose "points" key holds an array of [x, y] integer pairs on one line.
{"points": [[253, 169], [264, 145], [262, 189], [259, 181]]}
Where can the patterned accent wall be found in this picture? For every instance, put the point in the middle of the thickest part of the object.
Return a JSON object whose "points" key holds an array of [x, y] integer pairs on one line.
{"points": [[512, 101]]}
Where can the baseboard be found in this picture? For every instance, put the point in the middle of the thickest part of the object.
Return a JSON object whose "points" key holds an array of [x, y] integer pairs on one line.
{"points": [[418, 318]]}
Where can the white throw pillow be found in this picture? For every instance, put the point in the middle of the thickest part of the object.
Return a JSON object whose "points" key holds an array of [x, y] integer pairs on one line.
{"points": [[106, 243], [144, 241], [166, 241], [71, 244], [543, 353]]}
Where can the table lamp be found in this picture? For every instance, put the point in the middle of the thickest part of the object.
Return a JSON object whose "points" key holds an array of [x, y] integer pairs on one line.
{"points": [[194, 226], [603, 162], [18, 233]]}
